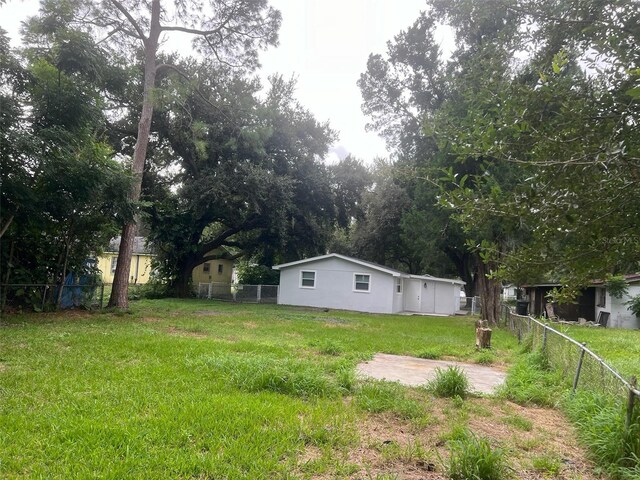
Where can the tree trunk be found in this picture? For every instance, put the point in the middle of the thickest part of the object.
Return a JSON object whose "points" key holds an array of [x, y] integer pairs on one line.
{"points": [[119, 291], [490, 289], [182, 285]]}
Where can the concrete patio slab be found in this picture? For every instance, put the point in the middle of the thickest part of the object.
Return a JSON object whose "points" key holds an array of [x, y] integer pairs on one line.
{"points": [[413, 371]]}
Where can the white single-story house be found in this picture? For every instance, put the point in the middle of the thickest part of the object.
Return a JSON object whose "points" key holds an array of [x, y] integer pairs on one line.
{"points": [[619, 314], [341, 282]]}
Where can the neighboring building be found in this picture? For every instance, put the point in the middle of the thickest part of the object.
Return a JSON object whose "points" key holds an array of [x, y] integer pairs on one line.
{"points": [[219, 270], [619, 314], [140, 271], [594, 303], [341, 282]]}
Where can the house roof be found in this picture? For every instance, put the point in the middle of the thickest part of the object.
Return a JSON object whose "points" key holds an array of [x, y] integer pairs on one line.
{"points": [[364, 263], [140, 246]]}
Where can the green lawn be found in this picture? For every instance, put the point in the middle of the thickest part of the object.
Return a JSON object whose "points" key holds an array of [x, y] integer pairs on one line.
{"points": [[619, 348], [202, 389]]}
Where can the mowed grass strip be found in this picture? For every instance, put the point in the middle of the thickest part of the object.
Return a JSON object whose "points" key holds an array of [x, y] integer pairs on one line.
{"points": [[192, 389]]}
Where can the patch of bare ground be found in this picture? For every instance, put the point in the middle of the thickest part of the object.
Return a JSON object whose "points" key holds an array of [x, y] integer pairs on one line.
{"points": [[3, 367], [405, 450], [181, 332], [250, 325]]}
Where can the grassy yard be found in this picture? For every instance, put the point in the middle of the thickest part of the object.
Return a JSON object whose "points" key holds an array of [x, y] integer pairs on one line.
{"points": [[620, 348], [201, 389]]}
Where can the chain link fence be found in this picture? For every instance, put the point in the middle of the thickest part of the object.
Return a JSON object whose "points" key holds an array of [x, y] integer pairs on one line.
{"points": [[586, 370], [238, 293], [470, 305], [47, 297]]}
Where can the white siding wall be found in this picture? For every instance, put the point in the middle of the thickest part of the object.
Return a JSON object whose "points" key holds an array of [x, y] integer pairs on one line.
{"points": [[621, 316], [445, 298], [334, 287]]}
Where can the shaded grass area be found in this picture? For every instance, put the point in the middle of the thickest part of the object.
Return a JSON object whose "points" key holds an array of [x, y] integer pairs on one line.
{"points": [[193, 389]]}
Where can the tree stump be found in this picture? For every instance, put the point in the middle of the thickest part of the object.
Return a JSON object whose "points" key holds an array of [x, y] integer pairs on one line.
{"points": [[483, 335]]}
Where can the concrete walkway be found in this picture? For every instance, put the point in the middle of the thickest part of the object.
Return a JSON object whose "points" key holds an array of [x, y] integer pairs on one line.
{"points": [[417, 371]]}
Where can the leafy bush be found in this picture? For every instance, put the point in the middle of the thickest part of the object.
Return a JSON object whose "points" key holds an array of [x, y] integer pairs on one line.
{"points": [[634, 305], [252, 274], [473, 458], [450, 383]]}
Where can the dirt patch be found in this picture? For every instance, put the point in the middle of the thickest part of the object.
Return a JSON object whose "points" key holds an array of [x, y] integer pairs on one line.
{"points": [[250, 325], [181, 332], [399, 448], [3, 367]]}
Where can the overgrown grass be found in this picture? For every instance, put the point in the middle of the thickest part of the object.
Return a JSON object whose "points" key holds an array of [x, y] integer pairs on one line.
{"points": [[599, 417], [196, 389], [450, 382], [474, 458], [531, 381], [601, 425]]}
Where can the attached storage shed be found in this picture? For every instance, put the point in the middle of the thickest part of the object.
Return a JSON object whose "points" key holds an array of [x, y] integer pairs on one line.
{"points": [[341, 282]]}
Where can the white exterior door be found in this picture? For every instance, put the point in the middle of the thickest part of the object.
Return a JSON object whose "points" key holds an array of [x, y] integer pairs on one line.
{"points": [[412, 291]]}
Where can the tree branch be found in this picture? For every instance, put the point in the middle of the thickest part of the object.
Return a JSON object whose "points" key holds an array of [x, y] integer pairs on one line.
{"points": [[132, 20]]}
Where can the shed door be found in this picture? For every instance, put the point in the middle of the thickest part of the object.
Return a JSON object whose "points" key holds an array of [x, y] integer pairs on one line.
{"points": [[412, 295]]}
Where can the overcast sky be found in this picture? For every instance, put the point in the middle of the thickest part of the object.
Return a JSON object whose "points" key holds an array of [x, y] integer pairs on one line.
{"points": [[325, 44]]}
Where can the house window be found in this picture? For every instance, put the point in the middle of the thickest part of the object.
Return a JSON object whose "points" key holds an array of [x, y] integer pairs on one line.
{"points": [[206, 267], [114, 262], [308, 279], [219, 269], [602, 297], [361, 282], [398, 285]]}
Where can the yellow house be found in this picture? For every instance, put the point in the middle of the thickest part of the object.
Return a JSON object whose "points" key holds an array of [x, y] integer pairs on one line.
{"points": [[140, 271], [214, 271]]}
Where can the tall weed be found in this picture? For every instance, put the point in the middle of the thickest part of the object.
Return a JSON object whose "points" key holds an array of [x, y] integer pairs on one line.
{"points": [[600, 420], [451, 382], [473, 458]]}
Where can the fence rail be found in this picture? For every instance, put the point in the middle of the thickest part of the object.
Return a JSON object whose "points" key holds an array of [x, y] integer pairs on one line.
{"points": [[587, 369]]}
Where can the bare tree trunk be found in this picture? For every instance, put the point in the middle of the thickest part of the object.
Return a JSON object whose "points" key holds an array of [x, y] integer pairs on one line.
{"points": [[489, 293], [119, 292], [64, 273]]}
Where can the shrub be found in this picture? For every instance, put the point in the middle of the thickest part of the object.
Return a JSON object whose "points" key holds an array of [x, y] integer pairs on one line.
{"points": [[451, 382], [473, 458]]}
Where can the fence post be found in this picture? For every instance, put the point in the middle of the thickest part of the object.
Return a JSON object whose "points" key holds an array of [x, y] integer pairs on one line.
{"points": [[101, 295], [259, 293], [473, 305], [631, 401], [544, 340], [578, 369]]}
